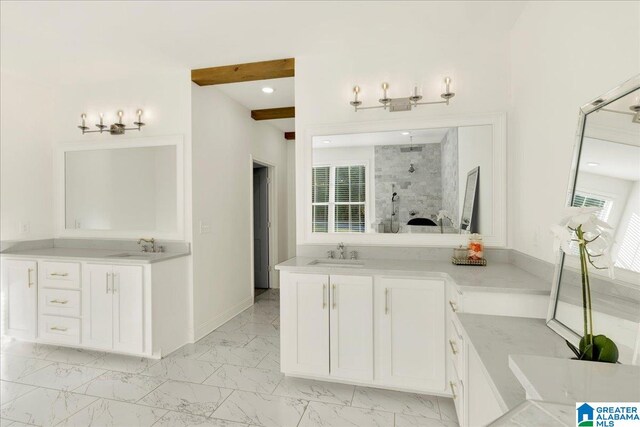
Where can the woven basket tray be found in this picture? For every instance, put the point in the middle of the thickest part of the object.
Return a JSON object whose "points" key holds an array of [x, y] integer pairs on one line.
{"points": [[466, 261]]}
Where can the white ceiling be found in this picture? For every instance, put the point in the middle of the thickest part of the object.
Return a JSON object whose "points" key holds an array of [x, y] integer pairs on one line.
{"points": [[614, 160], [420, 136], [91, 40], [250, 95]]}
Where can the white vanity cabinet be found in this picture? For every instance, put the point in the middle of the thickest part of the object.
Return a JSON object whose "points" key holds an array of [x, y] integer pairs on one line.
{"points": [[20, 290], [410, 321], [328, 326], [137, 308], [113, 307], [304, 309], [331, 322]]}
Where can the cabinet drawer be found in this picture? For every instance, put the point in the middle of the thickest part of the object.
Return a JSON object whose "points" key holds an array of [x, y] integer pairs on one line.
{"points": [[59, 302], [455, 348], [59, 274], [56, 329]]}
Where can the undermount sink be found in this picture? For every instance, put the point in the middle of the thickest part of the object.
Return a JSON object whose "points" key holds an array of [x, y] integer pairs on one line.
{"points": [[132, 254], [336, 263]]}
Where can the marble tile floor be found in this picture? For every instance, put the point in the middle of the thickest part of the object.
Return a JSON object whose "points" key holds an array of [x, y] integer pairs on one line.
{"points": [[230, 378]]}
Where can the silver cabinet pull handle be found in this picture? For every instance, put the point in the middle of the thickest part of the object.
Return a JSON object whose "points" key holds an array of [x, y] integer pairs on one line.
{"points": [[59, 274], [107, 283], [57, 328], [386, 300], [55, 301], [324, 296], [453, 305], [29, 282], [333, 287], [453, 389], [452, 344]]}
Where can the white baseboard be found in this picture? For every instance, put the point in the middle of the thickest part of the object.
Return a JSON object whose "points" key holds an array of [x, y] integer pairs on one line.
{"points": [[210, 325]]}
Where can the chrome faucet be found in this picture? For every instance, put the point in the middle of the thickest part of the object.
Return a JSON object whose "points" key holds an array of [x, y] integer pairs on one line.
{"points": [[153, 248], [341, 250]]}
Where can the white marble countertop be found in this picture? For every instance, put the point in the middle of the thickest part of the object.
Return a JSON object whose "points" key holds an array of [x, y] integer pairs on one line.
{"points": [[89, 254], [495, 277], [495, 338], [533, 413], [567, 381]]}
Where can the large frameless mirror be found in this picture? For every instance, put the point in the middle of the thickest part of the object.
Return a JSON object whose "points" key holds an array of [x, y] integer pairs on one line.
{"points": [[420, 181], [122, 189], [606, 175]]}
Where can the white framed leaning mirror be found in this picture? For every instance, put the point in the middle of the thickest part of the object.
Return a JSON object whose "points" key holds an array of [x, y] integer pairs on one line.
{"points": [[605, 174], [129, 188], [409, 182]]}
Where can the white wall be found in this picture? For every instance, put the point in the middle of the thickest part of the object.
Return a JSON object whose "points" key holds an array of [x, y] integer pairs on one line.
{"points": [[224, 139], [323, 84], [291, 199], [26, 167], [563, 54]]}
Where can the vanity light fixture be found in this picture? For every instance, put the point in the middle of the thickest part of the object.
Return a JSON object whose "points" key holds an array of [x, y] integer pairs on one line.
{"points": [[268, 89], [116, 128], [401, 104]]}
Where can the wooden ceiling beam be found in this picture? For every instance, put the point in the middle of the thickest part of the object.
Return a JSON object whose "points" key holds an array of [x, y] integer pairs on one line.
{"points": [[289, 136], [274, 113], [251, 71]]}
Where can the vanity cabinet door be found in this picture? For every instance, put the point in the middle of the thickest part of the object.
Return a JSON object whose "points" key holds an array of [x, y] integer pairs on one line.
{"points": [[305, 323], [351, 325], [20, 293], [97, 306], [410, 335], [128, 307]]}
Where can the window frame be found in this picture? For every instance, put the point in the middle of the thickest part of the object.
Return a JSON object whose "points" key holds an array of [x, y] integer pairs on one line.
{"points": [[331, 224]]}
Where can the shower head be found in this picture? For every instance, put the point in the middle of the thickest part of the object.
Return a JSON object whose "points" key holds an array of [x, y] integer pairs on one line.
{"points": [[394, 197], [411, 168]]}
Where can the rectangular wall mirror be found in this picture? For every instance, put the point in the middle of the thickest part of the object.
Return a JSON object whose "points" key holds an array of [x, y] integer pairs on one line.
{"points": [[427, 182], [122, 189], [606, 175]]}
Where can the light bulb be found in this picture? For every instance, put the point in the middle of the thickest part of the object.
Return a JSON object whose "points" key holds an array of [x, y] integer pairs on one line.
{"points": [[447, 80], [356, 89], [385, 86], [83, 116], [120, 113], [139, 113]]}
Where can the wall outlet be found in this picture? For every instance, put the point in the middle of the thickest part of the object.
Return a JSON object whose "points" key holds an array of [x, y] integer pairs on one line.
{"points": [[24, 227], [205, 227]]}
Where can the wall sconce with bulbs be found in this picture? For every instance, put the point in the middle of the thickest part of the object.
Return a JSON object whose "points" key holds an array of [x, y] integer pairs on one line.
{"points": [[402, 104], [115, 129]]}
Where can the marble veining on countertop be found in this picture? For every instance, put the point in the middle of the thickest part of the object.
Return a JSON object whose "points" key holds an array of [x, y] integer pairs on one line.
{"points": [[567, 381], [91, 254], [495, 277], [495, 338]]}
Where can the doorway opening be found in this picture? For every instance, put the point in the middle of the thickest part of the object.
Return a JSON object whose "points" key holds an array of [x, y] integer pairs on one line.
{"points": [[261, 228]]}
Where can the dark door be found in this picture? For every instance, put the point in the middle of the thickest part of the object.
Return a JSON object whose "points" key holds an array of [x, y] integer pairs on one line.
{"points": [[261, 227]]}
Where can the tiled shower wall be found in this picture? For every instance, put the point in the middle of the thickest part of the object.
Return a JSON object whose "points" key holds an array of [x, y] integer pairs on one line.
{"points": [[420, 191], [449, 157]]}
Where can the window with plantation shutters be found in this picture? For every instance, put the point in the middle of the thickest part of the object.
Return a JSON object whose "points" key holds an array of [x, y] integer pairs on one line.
{"points": [[585, 200], [339, 199], [320, 199]]}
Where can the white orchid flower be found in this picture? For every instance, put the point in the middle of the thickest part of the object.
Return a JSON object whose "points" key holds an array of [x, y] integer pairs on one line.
{"points": [[562, 238], [586, 217]]}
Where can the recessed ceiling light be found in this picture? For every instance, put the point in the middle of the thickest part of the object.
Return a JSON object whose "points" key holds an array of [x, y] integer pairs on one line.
{"points": [[405, 133], [593, 164], [268, 89], [326, 141]]}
